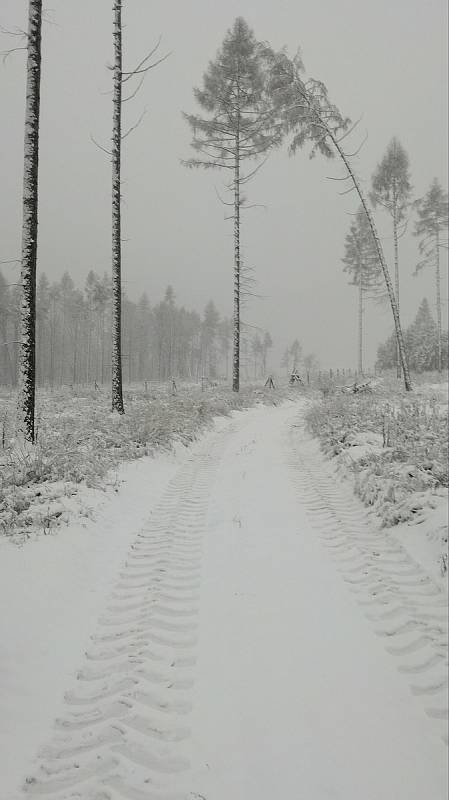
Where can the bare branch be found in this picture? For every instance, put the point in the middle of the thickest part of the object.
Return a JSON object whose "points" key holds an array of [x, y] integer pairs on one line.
{"points": [[139, 85], [231, 203], [356, 152], [347, 191], [334, 178], [254, 205], [133, 127], [6, 53], [151, 53], [17, 32], [341, 138], [108, 152], [129, 75], [250, 175]]}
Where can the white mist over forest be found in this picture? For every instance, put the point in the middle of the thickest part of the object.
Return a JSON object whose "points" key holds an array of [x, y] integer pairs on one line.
{"points": [[385, 64]]}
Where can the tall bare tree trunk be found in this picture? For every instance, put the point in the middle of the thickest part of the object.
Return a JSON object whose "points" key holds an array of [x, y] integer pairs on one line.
{"points": [[360, 322], [116, 356], [396, 281], [236, 354], [27, 390], [438, 296]]}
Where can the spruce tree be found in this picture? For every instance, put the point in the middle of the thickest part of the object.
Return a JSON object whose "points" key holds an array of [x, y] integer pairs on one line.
{"points": [[422, 339], [391, 188], [238, 124], [362, 263], [432, 210]]}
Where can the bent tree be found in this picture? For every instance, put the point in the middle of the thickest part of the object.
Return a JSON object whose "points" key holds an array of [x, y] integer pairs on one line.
{"points": [[310, 117], [391, 188], [27, 391], [432, 210], [239, 124], [361, 262]]}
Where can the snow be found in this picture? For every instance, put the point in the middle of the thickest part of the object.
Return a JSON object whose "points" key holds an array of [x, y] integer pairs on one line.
{"points": [[52, 590], [294, 695], [257, 565]]}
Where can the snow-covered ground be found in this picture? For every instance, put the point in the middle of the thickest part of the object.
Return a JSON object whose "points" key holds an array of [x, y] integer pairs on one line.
{"points": [[232, 625], [393, 448]]}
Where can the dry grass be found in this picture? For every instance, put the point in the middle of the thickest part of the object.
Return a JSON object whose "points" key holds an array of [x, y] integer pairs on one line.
{"points": [[79, 441], [395, 444]]}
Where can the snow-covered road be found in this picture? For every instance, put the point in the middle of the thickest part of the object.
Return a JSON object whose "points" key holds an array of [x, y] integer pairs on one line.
{"points": [[261, 640]]}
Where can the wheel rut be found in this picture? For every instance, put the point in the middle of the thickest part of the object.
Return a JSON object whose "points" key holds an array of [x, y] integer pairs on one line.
{"points": [[125, 730], [405, 607]]}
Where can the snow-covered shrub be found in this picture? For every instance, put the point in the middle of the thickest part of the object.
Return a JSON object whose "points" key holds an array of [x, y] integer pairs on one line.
{"points": [[79, 440], [395, 445]]}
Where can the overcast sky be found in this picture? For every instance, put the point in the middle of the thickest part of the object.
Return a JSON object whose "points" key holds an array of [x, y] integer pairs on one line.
{"points": [[384, 61]]}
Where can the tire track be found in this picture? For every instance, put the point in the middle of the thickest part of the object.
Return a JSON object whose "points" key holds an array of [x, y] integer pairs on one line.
{"points": [[407, 610], [125, 730]]}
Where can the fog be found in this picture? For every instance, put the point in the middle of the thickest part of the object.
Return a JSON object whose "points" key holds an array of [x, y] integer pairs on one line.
{"points": [[383, 62]]}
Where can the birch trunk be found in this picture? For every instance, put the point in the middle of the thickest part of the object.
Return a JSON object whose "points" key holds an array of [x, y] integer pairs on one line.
{"points": [[27, 369], [236, 353], [116, 355], [438, 295]]}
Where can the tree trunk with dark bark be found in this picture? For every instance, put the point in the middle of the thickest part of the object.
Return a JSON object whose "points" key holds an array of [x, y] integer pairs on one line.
{"points": [[361, 321], [236, 338], [117, 393], [438, 296], [27, 370], [396, 280]]}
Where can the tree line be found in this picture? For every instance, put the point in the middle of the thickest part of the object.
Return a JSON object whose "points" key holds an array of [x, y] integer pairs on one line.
{"points": [[160, 341], [426, 348]]}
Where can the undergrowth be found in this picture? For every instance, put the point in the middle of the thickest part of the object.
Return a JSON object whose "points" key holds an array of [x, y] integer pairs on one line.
{"points": [[396, 446], [79, 441]]}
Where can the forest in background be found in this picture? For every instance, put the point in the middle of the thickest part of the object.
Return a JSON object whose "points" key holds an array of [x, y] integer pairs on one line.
{"points": [[73, 336]]}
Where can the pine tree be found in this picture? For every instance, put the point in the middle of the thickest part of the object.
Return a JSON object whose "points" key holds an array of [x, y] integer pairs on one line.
{"points": [[362, 263], [257, 351], [43, 304], [310, 364], [285, 360], [422, 339], [295, 354], [27, 392], [267, 344], [421, 342], [6, 362], [391, 188], [225, 337], [209, 332], [239, 124], [432, 210]]}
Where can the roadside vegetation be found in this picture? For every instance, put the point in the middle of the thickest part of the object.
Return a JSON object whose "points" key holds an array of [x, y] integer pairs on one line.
{"points": [[394, 445], [78, 446]]}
